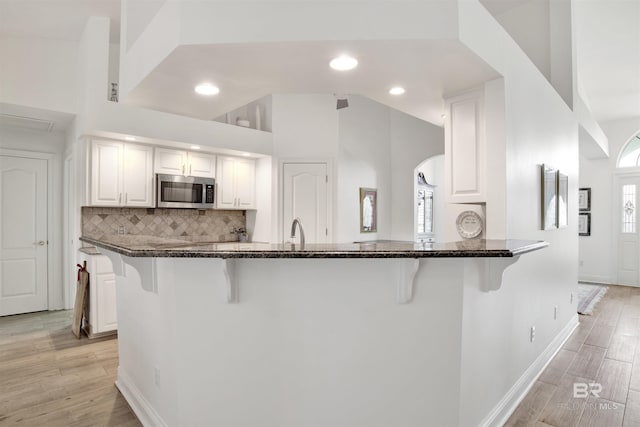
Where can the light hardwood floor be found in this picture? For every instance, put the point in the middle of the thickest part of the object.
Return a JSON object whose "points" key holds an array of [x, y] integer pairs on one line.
{"points": [[50, 378], [604, 350]]}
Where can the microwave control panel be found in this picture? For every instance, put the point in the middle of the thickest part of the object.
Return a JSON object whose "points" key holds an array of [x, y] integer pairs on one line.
{"points": [[209, 193]]}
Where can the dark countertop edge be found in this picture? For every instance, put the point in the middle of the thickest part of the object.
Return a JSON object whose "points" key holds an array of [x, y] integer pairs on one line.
{"points": [[457, 253]]}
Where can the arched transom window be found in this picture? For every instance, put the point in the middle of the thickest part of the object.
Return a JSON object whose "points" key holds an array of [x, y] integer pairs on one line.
{"points": [[630, 155]]}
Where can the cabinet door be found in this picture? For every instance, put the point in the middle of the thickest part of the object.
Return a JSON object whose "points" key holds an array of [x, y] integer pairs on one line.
{"points": [[138, 176], [106, 303], [106, 173], [201, 164], [225, 180], [171, 162], [245, 184], [465, 149]]}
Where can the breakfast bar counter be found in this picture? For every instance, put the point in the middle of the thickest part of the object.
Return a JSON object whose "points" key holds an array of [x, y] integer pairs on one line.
{"points": [[147, 246], [248, 334]]}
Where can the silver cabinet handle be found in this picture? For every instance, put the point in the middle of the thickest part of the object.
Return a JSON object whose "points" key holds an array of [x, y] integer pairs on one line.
{"points": [[125, 197], [120, 198], [183, 168], [42, 243]]}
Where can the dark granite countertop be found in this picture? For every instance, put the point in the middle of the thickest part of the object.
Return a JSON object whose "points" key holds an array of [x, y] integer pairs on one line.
{"points": [[148, 246]]}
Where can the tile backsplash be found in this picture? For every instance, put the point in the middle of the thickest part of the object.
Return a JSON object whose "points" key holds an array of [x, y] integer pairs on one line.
{"points": [[184, 224]]}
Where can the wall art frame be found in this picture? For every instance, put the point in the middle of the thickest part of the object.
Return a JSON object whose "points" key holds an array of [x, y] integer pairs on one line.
{"points": [[584, 199], [584, 224], [368, 210], [549, 191]]}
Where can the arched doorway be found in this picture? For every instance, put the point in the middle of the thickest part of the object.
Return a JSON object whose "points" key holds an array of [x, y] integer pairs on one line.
{"points": [[433, 171]]}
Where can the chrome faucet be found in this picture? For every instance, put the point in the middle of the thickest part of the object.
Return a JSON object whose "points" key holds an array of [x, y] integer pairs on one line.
{"points": [[293, 231]]}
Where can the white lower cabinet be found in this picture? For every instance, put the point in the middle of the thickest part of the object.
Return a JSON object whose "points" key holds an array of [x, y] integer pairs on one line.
{"points": [[101, 318]]}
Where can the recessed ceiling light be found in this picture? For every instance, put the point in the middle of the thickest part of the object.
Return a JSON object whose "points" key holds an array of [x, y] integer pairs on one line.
{"points": [[397, 90], [207, 89], [343, 63], [195, 147], [129, 138]]}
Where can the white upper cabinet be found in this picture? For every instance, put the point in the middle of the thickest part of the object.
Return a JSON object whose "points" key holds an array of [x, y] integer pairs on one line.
{"points": [[137, 182], [465, 148], [177, 162], [170, 162], [236, 183], [121, 174]]}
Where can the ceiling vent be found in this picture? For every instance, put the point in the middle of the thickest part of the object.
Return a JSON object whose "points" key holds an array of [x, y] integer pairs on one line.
{"points": [[23, 122]]}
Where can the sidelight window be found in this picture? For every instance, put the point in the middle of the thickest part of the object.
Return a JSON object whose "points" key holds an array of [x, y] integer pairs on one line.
{"points": [[629, 208]]}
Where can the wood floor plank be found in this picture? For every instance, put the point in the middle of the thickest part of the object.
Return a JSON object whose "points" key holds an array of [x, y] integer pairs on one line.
{"points": [[602, 413], [600, 335], [557, 367], [587, 362], [632, 410], [622, 348], [531, 407], [635, 373], [614, 378], [563, 409], [628, 326], [580, 334]]}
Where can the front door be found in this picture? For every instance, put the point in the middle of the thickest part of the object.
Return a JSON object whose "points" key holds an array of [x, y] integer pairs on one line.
{"points": [[305, 196], [628, 250], [23, 235]]}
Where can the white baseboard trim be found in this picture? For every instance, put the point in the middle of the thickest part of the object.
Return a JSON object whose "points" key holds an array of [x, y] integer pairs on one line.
{"points": [[596, 279], [141, 407], [503, 410]]}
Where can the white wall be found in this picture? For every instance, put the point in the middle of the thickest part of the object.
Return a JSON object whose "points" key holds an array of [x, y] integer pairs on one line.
{"points": [[363, 161], [53, 143], [39, 73], [597, 252], [412, 141]]}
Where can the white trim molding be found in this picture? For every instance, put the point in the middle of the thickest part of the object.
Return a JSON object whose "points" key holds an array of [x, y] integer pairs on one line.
{"points": [[503, 410], [140, 406]]}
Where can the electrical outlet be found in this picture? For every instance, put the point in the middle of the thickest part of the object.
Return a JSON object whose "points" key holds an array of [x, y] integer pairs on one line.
{"points": [[555, 313], [581, 263], [533, 333]]}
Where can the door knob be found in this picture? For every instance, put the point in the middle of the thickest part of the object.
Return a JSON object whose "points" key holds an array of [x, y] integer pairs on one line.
{"points": [[42, 242]]}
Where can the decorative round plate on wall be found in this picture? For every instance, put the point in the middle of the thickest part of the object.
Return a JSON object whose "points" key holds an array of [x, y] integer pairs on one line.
{"points": [[469, 224]]}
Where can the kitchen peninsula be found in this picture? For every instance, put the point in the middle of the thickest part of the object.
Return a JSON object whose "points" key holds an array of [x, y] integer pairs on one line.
{"points": [[249, 334]]}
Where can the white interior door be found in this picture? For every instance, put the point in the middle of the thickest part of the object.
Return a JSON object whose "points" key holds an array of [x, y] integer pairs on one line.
{"points": [[305, 196], [23, 235], [628, 250]]}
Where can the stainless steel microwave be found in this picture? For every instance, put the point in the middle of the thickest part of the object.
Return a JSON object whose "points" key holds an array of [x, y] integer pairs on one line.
{"points": [[177, 191]]}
